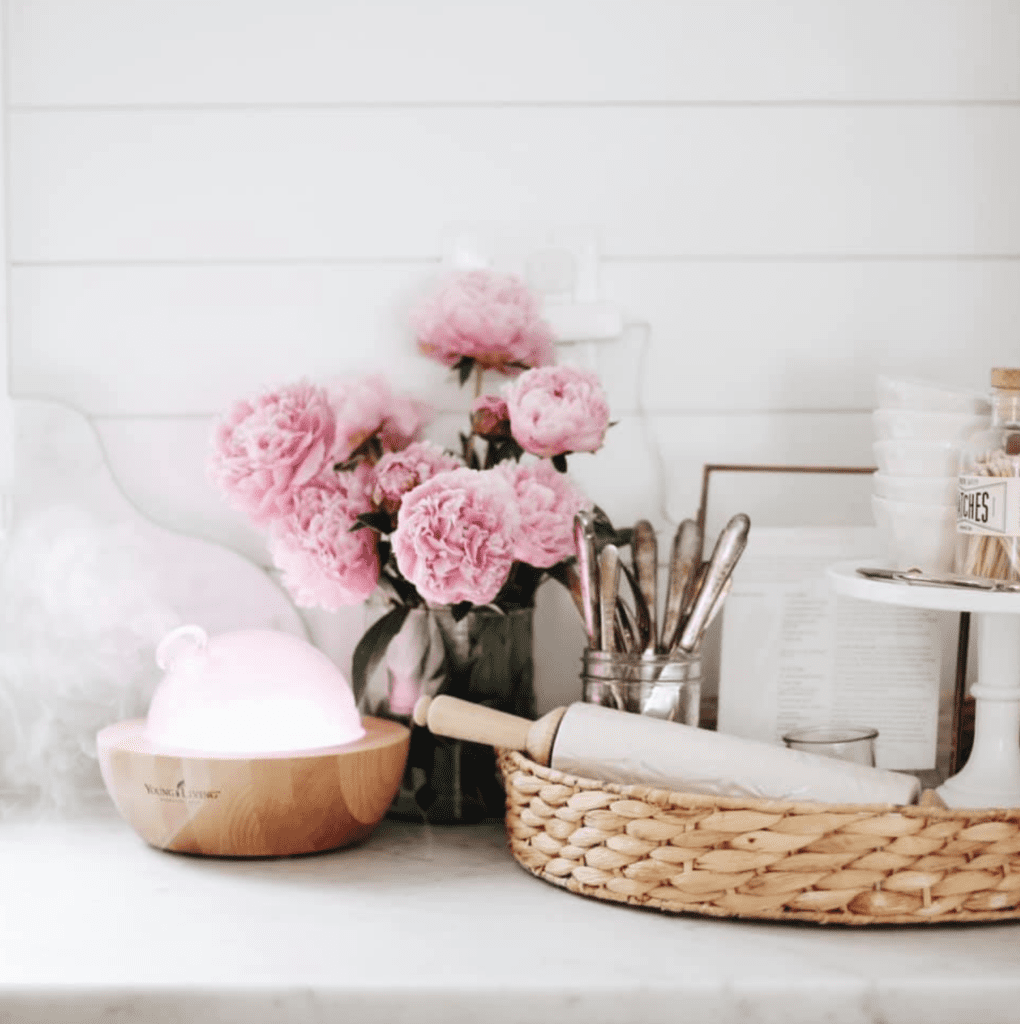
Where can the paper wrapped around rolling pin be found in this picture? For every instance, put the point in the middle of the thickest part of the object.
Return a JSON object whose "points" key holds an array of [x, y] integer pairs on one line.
{"points": [[595, 742]]}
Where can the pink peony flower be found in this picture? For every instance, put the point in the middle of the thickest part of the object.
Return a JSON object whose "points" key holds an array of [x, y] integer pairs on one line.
{"points": [[266, 448], [489, 417], [557, 409], [548, 502], [366, 406], [490, 317], [455, 536], [396, 473], [403, 419], [324, 563]]}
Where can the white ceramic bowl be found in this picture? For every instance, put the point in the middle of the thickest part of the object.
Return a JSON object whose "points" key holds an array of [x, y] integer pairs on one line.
{"points": [[917, 490], [923, 395], [917, 458], [917, 536], [911, 425]]}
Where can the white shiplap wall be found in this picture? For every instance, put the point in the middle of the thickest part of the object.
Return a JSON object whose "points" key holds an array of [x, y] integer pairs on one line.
{"points": [[790, 195]]}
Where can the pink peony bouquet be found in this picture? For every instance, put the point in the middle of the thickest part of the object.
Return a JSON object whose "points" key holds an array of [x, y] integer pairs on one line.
{"points": [[481, 318], [353, 500]]}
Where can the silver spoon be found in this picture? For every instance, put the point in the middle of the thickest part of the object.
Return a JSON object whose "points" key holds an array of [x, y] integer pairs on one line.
{"points": [[608, 586], [683, 561], [587, 565], [728, 549], [714, 612], [644, 549]]}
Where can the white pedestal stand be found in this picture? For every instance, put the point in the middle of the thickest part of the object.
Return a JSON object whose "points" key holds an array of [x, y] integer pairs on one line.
{"points": [[991, 776]]}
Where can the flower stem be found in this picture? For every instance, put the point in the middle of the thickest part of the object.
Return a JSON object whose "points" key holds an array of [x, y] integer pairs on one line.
{"points": [[479, 373]]}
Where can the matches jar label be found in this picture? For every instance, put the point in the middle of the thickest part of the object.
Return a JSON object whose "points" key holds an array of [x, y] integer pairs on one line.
{"points": [[987, 505]]}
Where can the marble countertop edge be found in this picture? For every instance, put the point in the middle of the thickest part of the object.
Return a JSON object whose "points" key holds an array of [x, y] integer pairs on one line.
{"points": [[436, 925]]}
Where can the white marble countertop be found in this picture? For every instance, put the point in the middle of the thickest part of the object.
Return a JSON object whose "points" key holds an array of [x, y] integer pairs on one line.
{"points": [[435, 924]]}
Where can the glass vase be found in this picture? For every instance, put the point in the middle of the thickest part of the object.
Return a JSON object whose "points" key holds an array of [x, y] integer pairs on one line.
{"points": [[484, 657]]}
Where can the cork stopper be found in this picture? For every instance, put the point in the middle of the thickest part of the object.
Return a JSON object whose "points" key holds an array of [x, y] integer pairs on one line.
{"points": [[1005, 378]]}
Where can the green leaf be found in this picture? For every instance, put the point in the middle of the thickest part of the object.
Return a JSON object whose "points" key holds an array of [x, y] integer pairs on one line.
{"points": [[560, 463], [370, 449], [606, 533], [600, 517], [502, 449], [464, 367], [561, 571], [459, 610], [372, 647], [406, 594], [469, 454], [388, 590], [374, 520], [519, 589], [384, 548]]}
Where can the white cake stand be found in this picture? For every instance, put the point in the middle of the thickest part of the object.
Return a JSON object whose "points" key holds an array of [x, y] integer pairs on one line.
{"points": [[991, 776]]}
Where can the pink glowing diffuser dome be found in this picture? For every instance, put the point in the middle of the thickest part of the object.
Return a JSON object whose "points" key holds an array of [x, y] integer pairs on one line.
{"points": [[251, 691]]}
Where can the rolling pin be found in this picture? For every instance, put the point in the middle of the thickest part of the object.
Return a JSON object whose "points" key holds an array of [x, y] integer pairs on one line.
{"points": [[596, 742]]}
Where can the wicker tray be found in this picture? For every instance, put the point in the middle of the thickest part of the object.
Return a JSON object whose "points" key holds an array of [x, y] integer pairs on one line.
{"points": [[684, 853]]}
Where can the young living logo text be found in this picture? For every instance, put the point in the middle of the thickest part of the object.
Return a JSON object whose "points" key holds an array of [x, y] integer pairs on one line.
{"points": [[180, 793]]}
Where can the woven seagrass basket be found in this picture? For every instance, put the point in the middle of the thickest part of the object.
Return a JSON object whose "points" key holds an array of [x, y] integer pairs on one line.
{"points": [[683, 853]]}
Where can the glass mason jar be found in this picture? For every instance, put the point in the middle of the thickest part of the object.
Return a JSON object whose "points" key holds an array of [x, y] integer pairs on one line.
{"points": [[666, 686], [988, 506]]}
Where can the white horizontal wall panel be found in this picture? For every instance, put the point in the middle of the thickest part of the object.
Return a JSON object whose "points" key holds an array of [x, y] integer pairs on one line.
{"points": [[649, 468], [385, 183], [113, 52], [702, 336], [750, 335], [131, 340]]}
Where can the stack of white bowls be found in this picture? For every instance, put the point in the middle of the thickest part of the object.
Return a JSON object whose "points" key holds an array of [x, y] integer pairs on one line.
{"points": [[919, 429]]}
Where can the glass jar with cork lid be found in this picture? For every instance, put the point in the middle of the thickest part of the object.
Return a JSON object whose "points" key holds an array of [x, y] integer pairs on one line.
{"points": [[988, 508]]}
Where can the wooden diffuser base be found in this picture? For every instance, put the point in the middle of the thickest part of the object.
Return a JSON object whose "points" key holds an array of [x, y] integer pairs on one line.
{"points": [[262, 805]]}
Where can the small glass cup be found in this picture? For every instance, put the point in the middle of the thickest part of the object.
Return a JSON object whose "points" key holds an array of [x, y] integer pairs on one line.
{"points": [[845, 742], [660, 686]]}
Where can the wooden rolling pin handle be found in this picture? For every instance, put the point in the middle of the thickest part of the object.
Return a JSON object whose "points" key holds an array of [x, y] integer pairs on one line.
{"points": [[451, 716]]}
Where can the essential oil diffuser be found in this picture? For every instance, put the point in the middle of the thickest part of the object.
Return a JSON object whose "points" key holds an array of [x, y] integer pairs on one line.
{"points": [[252, 747]]}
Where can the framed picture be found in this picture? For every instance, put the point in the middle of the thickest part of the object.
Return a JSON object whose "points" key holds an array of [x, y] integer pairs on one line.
{"points": [[788, 651], [785, 496]]}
